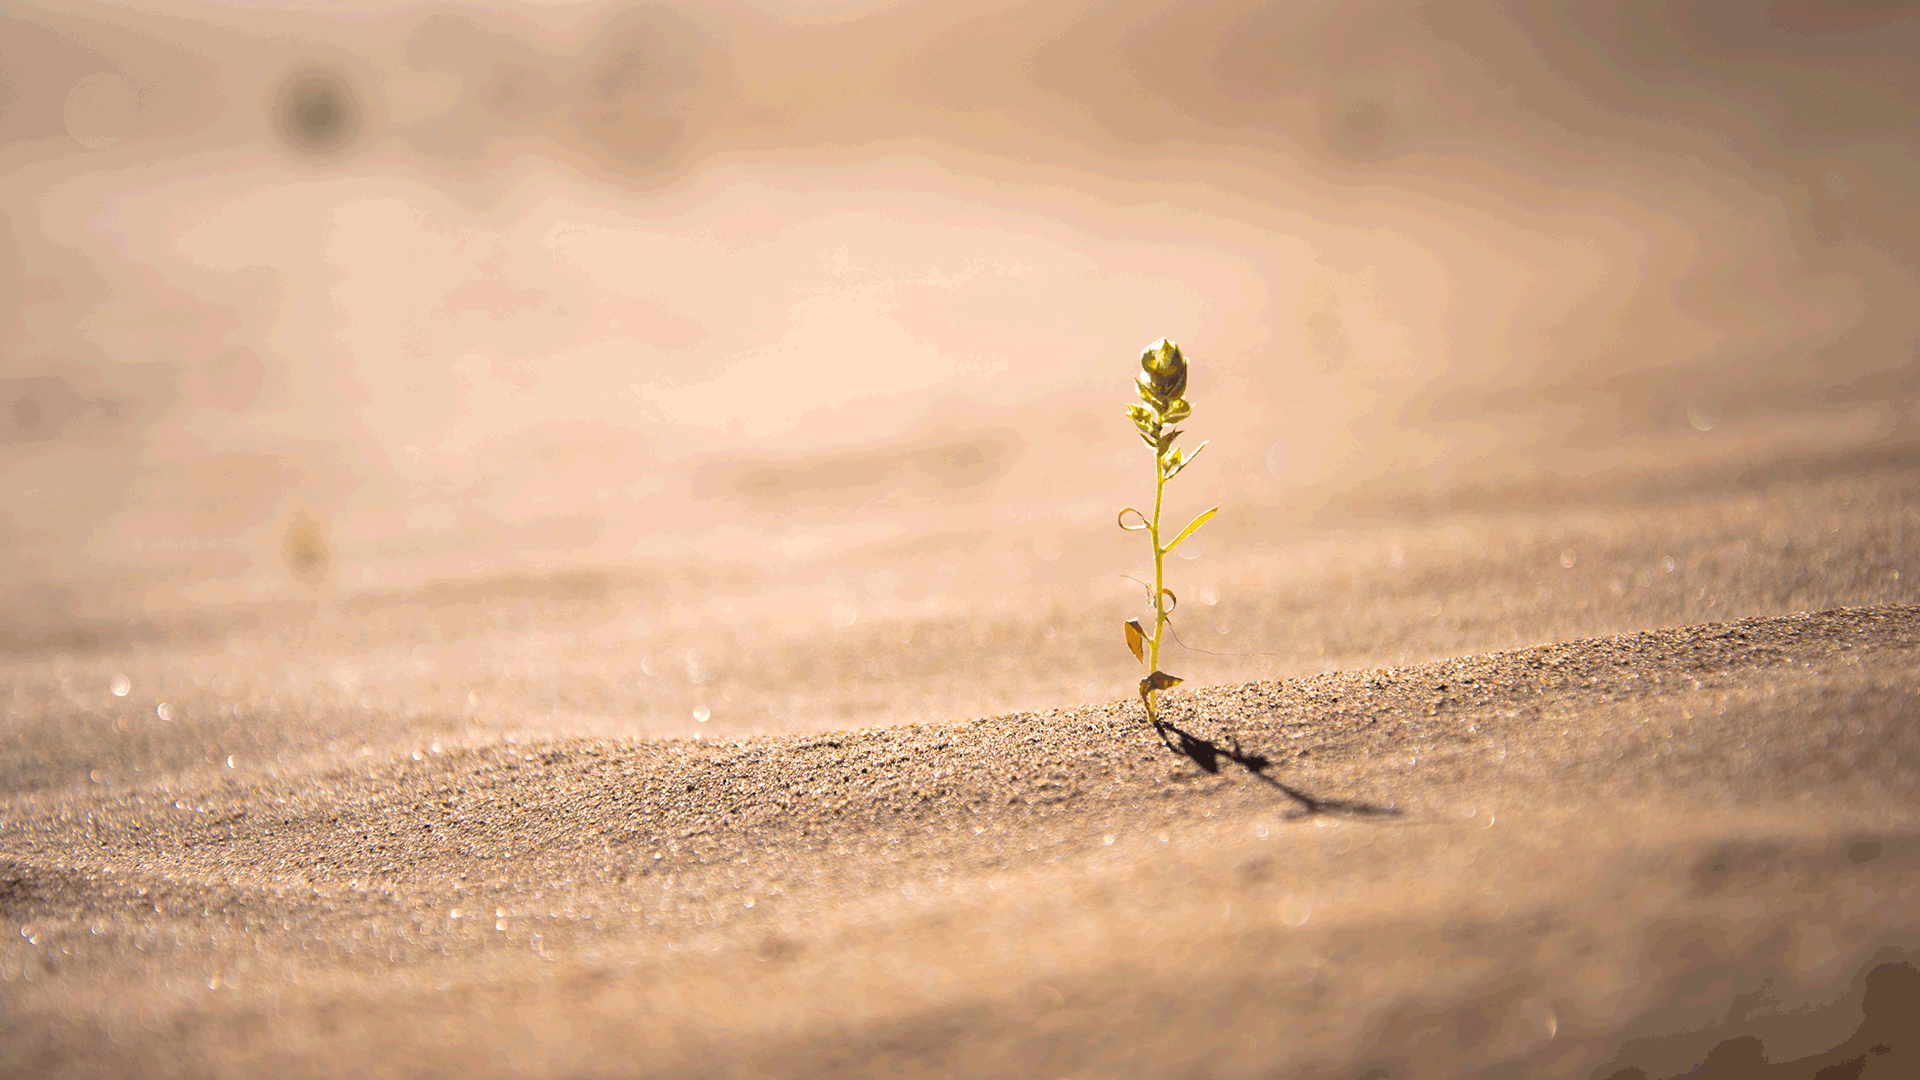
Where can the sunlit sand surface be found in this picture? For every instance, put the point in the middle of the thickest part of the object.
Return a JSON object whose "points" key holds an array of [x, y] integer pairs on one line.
{"points": [[483, 827], [572, 541]]}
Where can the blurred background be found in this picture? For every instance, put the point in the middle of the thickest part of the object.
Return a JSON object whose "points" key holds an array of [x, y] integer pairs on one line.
{"points": [[698, 334]]}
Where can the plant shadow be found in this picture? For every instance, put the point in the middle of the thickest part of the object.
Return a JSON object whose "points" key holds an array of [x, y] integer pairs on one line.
{"points": [[1209, 755]]}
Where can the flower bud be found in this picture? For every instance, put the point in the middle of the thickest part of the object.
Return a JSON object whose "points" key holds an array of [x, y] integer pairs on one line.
{"points": [[1165, 369]]}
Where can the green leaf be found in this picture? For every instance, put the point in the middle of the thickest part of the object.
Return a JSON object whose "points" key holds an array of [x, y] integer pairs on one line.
{"points": [[1192, 527], [1136, 640], [1188, 460]]}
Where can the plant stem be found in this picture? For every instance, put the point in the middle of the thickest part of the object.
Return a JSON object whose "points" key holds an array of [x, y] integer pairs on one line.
{"points": [[1159, 580]]}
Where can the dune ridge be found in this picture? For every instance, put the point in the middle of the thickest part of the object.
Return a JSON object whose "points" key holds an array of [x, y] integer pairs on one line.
{"points": [[988, 896]]}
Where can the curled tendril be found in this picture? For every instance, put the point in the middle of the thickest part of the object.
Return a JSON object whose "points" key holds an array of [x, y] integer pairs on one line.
{"points": [[1122, 519]]}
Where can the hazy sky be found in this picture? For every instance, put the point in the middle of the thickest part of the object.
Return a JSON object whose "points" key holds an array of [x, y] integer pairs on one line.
{"points": [[512, 278]]}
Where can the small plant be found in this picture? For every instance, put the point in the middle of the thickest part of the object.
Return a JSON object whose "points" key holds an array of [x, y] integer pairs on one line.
{"points": [[306, 546], [1162, 385]]}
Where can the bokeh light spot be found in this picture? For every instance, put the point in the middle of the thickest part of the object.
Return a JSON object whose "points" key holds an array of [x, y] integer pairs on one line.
{"points": [[316, 112], [99, 110], [1703, 412]]}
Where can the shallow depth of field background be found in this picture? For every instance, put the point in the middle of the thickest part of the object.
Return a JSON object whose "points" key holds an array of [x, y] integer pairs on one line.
{"points": [[751, 322]]}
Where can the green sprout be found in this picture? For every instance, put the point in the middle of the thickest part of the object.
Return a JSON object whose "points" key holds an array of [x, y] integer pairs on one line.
{"points": [[1162, 384]]}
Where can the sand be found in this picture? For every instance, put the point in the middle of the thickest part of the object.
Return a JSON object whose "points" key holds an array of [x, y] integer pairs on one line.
{"points": [[1485, 816], [578, 540]]}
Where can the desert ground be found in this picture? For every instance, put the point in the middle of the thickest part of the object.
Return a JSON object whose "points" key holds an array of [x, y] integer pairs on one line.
{"points": [[577, 540], [1590, 783]]}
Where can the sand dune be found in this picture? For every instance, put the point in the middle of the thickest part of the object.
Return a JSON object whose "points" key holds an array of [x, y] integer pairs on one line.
{"points": [[1528, 858], [578, 540], [1534, 784]]}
